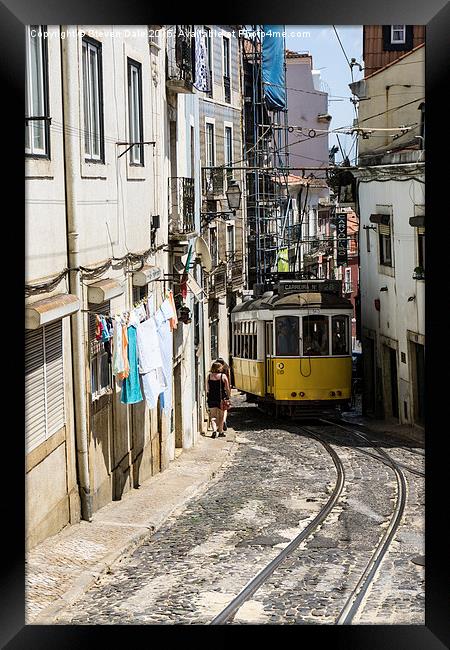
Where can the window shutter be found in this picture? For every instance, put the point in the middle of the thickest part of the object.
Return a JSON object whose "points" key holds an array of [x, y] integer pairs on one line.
{"points": [[54, 372], [34, 389], [44, 384]]}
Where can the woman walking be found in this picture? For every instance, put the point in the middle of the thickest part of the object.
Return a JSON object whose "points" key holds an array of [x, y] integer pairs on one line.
{"points": [[218, 389], [226, 371]]}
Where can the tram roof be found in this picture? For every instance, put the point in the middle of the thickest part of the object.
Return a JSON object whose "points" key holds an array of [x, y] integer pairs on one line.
{"points": [[301, 300]]}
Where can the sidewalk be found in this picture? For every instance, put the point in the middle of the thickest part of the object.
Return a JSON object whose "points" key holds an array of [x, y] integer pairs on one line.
{"points": [[407, 432], [62, 567]]}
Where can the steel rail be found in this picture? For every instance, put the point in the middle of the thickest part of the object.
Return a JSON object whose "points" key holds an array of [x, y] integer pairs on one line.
{"points": [[393, 438], [355, 599], [254, 584]]}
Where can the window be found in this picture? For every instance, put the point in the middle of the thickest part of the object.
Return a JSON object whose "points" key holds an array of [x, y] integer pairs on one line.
{"points": [[348, 280], [421, 251], [398, 34], [339, 335], [229, 151], [135, 112], [315, 336], [384, 236], [36, 92], [210, 145], [213, 245], [100, 354], [230, 241], [398, 38], [209, 58], [93, 100], [214, 339], [226, 69], [139, 293], [44, 384], [287, 336]]}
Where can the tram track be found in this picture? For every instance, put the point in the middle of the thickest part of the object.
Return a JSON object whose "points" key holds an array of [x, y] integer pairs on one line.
{"points": [[230, 610], [355, 600]]}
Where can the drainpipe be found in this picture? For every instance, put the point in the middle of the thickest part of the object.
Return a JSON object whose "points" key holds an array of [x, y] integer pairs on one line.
{"points": [[69, 84]]}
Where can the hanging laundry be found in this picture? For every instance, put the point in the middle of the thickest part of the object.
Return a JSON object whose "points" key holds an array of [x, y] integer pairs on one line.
{"points": [[153, 384], [118, 365], [174, 320], [98, 328], [131, 388], [105, 331], [150, 305], [167, 308], [148, 346], [165, 338], [126, 366], [202, 76]]}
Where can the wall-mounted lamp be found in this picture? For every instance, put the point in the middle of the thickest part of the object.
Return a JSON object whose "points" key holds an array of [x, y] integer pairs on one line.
{"points": [[411, 298], [383, 289]]}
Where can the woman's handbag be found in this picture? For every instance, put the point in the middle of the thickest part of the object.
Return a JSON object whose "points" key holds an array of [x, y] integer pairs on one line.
{"points": [[225, 403]]}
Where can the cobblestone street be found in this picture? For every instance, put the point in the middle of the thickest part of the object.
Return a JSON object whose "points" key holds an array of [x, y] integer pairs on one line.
{"points": [[265, 494]]}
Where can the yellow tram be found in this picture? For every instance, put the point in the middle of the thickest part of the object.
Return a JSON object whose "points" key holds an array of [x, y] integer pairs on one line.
{"points": [[291, 348]]}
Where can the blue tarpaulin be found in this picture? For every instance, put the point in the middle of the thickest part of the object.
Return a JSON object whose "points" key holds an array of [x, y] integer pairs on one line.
{"points": [[273, 74]]}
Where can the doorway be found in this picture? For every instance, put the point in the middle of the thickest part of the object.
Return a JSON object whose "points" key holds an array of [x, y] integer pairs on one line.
{"points": [[390, 382], [418, 379]]}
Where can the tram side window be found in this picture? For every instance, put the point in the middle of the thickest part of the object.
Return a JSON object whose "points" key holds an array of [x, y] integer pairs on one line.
{"points": [[339, 334], [287, 336], [315, 336]]}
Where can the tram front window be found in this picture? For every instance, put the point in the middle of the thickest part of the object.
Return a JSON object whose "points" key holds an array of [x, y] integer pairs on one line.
{"points": [[287, 336], [339, 334], [315, 336]]}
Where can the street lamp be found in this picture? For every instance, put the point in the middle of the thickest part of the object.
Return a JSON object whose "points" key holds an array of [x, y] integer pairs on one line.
{"points": [[233, 195]]}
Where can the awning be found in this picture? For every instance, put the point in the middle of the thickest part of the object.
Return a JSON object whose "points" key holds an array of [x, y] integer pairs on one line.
{"points": [[148, 273], [46, 311], [417, 222], [380, 218], [104, 290]]}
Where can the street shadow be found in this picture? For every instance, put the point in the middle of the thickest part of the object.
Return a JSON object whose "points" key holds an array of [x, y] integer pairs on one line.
{"points": [[245, 416]]}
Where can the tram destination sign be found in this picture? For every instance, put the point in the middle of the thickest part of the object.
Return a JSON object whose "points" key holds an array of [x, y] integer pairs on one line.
{"points": [[341, 235], [309, 286]]}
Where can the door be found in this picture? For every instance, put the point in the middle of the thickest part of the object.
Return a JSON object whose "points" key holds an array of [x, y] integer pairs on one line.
{"points": [[418, 367], [369, 376], [268, 349]]}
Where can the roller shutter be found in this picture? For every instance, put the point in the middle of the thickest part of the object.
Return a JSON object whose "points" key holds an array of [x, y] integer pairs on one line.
{"points": [[44, 384], [384, 229]]}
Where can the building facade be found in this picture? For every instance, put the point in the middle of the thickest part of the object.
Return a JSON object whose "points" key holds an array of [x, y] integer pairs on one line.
{"points": [[99, 164], [391, 189], [221, 147]]}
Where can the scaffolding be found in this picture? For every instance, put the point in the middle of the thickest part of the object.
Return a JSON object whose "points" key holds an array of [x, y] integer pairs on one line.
{"points": [[266, 154]]}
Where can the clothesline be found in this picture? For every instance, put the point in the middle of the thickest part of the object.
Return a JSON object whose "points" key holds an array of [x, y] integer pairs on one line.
{"points": [[125, 312]]}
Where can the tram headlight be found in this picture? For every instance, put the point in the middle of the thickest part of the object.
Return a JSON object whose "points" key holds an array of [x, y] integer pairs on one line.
{"points": [[332, 393], [280, 365], [339, 392], [293, 394], [302, 394]]}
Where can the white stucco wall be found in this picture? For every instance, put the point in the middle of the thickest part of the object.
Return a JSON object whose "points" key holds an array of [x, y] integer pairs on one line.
{"points": [[397, 314]]}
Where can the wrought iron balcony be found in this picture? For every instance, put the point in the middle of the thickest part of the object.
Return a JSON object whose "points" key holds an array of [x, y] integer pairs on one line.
{"points": [[181, 207], [180, 61], [214, 181], [237, 268]]}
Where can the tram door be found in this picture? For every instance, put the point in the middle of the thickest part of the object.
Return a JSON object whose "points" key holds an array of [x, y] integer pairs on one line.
{"points": [[269, 358]]}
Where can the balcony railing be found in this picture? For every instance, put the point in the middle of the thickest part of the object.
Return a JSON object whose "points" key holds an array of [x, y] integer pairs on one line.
{"points": [[181, 206], [180, 60], [237, 268], [214, 181]]}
